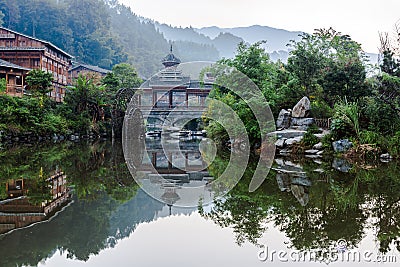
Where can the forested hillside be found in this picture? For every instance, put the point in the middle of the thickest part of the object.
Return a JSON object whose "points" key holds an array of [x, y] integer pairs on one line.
{"points": [[80, 27], [98, 32]]}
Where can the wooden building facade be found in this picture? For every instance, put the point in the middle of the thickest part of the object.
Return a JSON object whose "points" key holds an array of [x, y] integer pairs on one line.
{"points": [[14, 76], [86, 70], [32, 53]]}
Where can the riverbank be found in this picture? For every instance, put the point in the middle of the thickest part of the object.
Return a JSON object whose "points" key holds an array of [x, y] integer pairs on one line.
{"points": [[30, 137], [36, 119]]}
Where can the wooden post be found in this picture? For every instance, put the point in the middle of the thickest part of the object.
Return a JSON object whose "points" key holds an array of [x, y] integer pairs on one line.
{"points": [[6, 83]]}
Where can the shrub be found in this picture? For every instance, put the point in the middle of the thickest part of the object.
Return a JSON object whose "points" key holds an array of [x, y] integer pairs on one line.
{"points": [[393, 145], [327, 142], [3, 85], [372, 138], [320, 109], [309, 139], [379, 117], [313, 129], [345, 121], [53, 123]]}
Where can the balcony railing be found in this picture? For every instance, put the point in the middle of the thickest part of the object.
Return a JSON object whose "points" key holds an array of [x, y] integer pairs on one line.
{"points": [[15, 90]]}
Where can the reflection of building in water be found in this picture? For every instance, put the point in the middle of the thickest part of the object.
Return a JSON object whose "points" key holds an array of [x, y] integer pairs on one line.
{"points": [[176, 176], [26, 204]]}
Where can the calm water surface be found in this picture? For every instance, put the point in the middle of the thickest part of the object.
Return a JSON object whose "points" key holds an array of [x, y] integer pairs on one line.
{"points": [[77, 204]]}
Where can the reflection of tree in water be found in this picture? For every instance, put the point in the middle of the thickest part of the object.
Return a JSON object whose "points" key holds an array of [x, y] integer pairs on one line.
{"points": [[83, 229], [99, 168], [107, 206], [338, 208], [384, 198], [245, 212]]}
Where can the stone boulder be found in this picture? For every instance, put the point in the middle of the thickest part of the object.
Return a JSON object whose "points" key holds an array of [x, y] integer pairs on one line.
{"points": [[280, 143], [288, 133], [342, 146], [292, 141], [386, 156], [318, 146], [311, 151], [341, 165], [302, 108], [283, 120], [302, 122]]}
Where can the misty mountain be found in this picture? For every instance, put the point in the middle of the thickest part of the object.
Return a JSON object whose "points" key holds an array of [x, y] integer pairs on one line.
{"points": [[277, 39], [224, 44], [182, 34], [105, 33], [225, 40]]}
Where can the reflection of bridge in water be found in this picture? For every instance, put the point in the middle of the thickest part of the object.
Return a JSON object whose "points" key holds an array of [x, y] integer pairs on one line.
{"points": [[168, 171], [170, 104]]}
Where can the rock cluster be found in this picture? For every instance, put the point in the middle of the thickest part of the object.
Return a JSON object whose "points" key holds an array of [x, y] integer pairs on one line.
{"points": [[29, 137], [296, 118], [292, 124]]}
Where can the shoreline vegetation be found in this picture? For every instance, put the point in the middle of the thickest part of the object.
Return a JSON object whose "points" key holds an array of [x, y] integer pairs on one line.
{"points": [[86, 112], [361, 102]]}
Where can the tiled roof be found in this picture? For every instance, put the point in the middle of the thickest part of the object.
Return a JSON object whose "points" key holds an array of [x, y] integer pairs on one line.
{"points": [[7, 64], [4, 48], [93, 68], [36, 39]]}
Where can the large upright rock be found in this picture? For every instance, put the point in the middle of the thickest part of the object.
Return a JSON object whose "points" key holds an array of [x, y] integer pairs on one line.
{"points": [[302, 108], [283, 120]]}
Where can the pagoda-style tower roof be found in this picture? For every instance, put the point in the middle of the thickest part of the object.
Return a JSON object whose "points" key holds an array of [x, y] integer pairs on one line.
{"points": [[170, 60]]}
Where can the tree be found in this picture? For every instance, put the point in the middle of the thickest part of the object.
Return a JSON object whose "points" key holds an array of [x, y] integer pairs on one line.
{"points": [[1, 18], [111, 82], [126, 75], [84, 97], [253, 69], [3, 85], [389, 79], [11, 13], [39, 81], [329, 64]]}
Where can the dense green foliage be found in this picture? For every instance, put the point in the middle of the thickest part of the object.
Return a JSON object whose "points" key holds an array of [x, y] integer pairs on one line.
{"points": [[336, 200], [86, 109], [251, 61], [1, 18], [30, 114], [98, 32], [3, 85], [328, 66], [81, 28], [125, 76], [330, 69], [39, 82]]}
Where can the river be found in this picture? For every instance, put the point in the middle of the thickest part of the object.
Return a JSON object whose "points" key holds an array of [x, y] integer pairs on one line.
{"points": [[76, 204]]}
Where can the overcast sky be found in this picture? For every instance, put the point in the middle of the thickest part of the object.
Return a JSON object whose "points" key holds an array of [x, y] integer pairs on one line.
{"points": [[362, 20]]}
